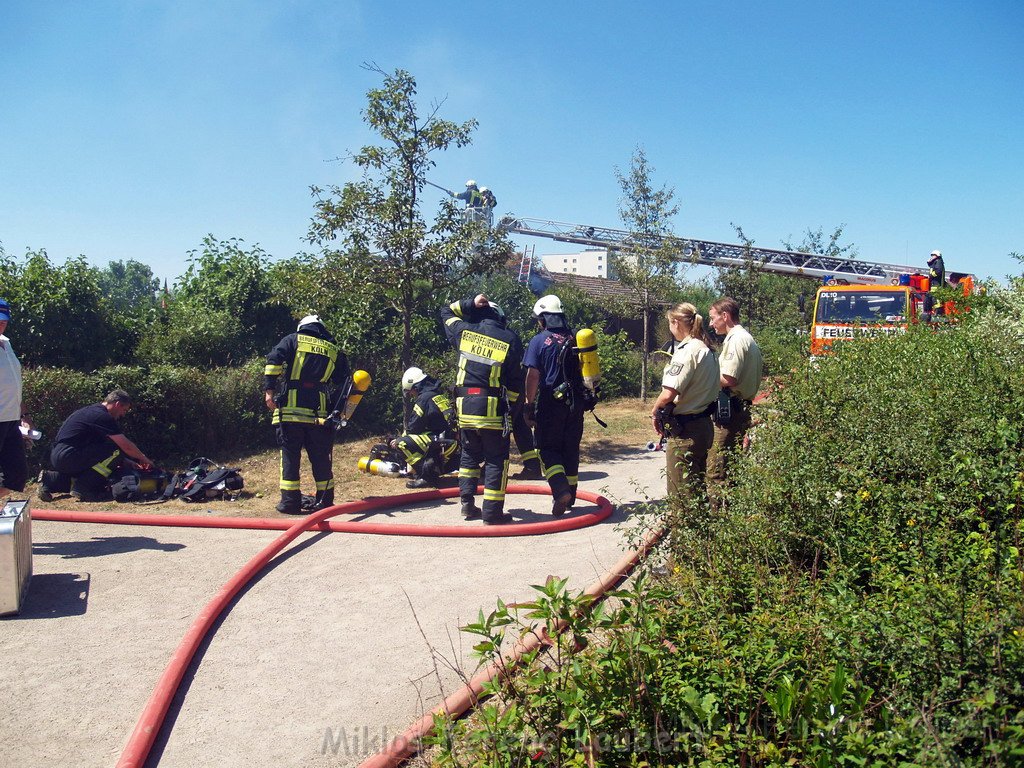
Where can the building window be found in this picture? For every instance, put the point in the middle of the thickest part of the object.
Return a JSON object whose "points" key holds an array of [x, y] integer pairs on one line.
{"points": [[599, 257], [574, 269]]}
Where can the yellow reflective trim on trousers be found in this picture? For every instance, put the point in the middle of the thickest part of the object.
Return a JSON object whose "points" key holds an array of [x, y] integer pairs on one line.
{"points": [[504, 475], [468, 472], [573, 479], [550, 472], [325, 485], [290, 485], [496, 495], [103, 468], [534, 454]]}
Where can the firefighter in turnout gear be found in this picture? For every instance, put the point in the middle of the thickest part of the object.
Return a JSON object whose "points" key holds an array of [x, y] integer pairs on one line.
{"points": [[427, 442], [554, 400], [489, 381], [307, 362]]}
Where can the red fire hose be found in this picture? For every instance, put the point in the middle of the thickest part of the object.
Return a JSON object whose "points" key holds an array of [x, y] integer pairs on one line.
{"points": [[152, 717]]}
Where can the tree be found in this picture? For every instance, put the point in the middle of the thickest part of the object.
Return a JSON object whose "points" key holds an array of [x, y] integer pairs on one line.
{"points": [[62, 317], [390, 257], [649, 265]]}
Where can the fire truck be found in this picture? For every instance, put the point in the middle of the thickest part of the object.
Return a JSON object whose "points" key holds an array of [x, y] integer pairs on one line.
{"points": [[856, 298]]}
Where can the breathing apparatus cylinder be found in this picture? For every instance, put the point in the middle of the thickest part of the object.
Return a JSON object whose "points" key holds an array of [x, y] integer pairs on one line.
{"points": [[590, 363], [379, 467], [360, 383]]}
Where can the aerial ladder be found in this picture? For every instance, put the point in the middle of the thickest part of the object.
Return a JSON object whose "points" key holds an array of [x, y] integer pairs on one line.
{"points": [[830, 270]]}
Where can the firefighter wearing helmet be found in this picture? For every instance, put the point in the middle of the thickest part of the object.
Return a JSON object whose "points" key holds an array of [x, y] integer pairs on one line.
{"points": [[554, 400], [426, 443], [471, 197], [307, 362], [488, 383]]}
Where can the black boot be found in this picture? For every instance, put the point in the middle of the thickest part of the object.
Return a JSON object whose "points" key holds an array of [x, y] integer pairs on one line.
{"points": [[324, 499], [531, 471], [291, 503], [470, 511], [427, 476]]}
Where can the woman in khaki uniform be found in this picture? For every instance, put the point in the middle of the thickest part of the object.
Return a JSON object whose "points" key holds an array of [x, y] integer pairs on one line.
{"points": [[689, 390]]}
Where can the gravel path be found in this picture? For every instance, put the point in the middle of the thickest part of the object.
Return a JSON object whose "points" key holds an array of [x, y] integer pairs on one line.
{"points": [[326, 654]]}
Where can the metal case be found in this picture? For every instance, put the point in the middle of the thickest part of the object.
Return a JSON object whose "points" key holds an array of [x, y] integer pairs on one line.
{"points": [[15, 555]]}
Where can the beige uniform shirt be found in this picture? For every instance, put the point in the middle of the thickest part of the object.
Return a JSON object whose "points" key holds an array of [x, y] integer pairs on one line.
{"points": [[10, 382], [693, 373], [741, 358]]}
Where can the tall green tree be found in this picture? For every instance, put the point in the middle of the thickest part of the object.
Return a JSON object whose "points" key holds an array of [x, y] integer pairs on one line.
{"points": [[389, 256], [649, 265]]}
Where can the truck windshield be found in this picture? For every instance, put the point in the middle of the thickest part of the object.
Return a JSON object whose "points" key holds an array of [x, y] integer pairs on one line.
{"points": [[862, 307]]}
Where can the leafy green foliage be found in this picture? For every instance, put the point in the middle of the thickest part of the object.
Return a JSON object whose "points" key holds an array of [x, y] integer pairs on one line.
{"points": [[855, 600]]}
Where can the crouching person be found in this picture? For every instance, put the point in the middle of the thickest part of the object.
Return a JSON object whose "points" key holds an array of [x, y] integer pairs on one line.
{"points": [[426, 443], [90, 446]]}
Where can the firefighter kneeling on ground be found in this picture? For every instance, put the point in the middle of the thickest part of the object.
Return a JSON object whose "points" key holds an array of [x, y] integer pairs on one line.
{"points": [[308, 360], [427, 446]]}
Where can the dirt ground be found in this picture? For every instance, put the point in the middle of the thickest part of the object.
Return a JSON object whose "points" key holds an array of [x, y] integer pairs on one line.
{"points": [[627, 422], [338, 645]]}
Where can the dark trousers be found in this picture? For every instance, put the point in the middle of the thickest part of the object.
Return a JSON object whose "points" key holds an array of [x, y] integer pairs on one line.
{"points": [[490, 448], [523, 434], [12, 456], [318, 440], [559, 432], [90, 465]]}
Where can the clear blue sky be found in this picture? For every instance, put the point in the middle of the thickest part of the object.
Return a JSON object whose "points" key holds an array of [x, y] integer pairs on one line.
{"points": [[132, 129]]}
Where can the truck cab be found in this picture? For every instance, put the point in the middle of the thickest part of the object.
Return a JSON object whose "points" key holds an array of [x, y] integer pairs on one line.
{"points": [[863, 311]]}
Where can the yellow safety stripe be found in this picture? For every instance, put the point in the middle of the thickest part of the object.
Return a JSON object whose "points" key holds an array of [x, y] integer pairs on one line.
{"points": [[324, 485], [573, 479], [456, 307], [494, 377], [550, 472], [534, 454], [480, 422], [513, 397], [496, 495], [103, 468], [290, 485], [417, 410], [463, 472], [273, 370]]}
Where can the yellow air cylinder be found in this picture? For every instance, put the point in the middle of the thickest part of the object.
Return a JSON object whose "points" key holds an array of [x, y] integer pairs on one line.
{"points": [[360, 383], [590, 363], [378, 467]]}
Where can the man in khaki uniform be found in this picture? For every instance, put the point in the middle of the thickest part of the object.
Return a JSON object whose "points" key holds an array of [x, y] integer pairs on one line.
{"points": [[740, 368]]}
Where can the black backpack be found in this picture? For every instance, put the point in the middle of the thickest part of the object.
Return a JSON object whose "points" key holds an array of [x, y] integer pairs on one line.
{"points": [[205, 480]]}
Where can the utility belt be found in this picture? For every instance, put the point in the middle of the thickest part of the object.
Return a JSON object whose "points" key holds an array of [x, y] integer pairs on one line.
{"points": [[466, 391], [306, 385], [672, 425]]}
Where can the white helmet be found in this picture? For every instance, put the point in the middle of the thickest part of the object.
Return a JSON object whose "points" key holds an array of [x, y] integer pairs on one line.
{"points": [[550, 304], [935, 255], [470, 183], [308, 320], [412, 377], [484, 189]]}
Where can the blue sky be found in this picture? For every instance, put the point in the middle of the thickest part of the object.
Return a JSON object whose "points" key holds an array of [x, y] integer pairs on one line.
{"points": [[133, 129]]}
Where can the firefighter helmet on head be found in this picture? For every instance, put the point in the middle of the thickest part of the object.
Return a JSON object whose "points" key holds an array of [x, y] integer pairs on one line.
{"points": [[308, 320], [470, 183], [485, 189], [412, 377], [935, 255], [547, 304]]}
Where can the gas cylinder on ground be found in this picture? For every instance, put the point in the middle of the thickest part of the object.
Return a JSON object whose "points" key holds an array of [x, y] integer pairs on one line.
{"points": [[379, 467]]}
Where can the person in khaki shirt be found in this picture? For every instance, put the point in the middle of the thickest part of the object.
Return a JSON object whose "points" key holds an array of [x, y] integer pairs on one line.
{"points": [[741, 368], [690, 387]]}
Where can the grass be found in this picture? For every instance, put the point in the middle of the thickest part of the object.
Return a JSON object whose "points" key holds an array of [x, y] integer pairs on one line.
{"points": [[628, 431]]}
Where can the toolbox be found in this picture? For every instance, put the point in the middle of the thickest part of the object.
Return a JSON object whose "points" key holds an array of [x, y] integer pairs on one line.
{"points": [[15, 555]]}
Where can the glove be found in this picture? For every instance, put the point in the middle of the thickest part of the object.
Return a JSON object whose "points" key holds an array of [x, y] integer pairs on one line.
{"points": [[530, 413]]}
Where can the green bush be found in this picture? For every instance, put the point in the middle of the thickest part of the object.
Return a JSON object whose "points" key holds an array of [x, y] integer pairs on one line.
{"points": [[858, 598]]}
